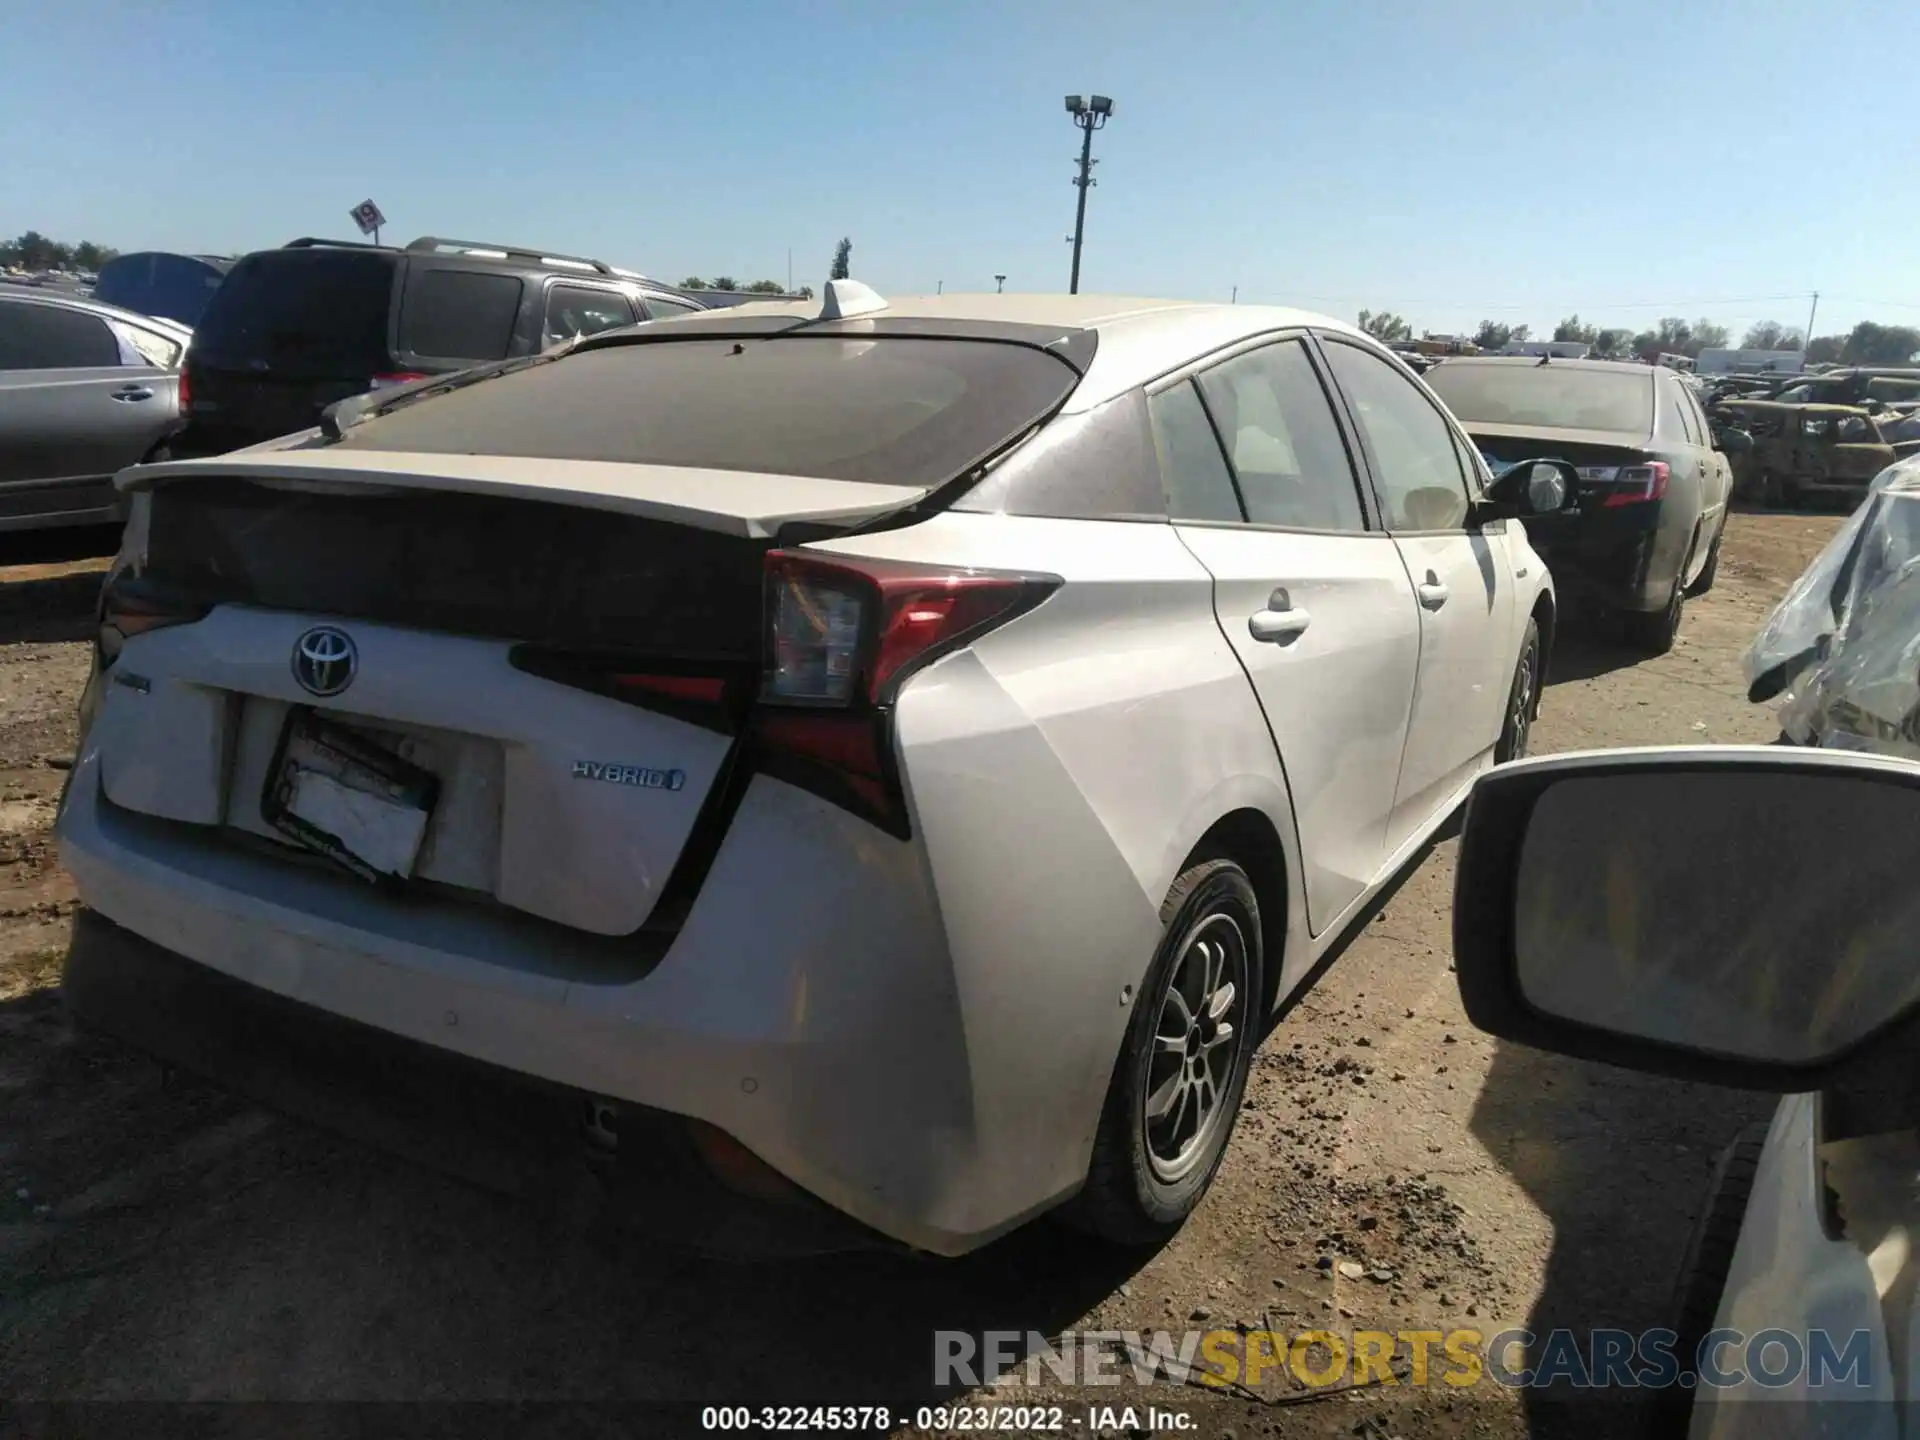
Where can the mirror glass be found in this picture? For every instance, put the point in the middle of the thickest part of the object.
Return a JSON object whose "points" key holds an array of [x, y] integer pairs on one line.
{"points": [[1767, 917], [1546, 489]]}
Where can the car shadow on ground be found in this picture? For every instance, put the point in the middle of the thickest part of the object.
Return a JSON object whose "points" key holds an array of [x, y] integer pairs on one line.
{"points": [[57, 545], [1619, 1165], [47, 609], [50, 594], [195, 1244], [1588, 646]]}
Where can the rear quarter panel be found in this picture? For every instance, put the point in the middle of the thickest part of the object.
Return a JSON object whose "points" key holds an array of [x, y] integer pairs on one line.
{"points": [[1061, 769]]}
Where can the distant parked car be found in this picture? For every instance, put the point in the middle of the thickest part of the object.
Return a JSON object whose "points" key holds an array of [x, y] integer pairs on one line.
{"points": [[85, 390], [295, 330], [1653, 480], [153, 282]]}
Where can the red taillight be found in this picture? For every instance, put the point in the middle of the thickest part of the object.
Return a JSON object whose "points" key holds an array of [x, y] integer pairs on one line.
{"points": [[1637, 484], [398, 377], [842, 636], [842, 631], [186, 392]]}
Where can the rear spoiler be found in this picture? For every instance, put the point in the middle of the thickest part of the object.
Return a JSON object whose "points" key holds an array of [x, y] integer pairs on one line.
{"points": [[728, 502]]}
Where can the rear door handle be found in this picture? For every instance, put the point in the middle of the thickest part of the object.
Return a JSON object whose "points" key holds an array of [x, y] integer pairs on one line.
{"points": [[1432, 593], [1279, 622], [133, 392]]}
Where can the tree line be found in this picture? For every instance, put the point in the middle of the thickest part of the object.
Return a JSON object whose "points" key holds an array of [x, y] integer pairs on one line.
{"points": [[841, 269], [34, 251], [1867, 343]]}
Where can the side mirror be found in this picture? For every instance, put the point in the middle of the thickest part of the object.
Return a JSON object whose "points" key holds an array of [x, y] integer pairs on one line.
{"points": [[1743, 915], [1536, 487], [1733, 441]]}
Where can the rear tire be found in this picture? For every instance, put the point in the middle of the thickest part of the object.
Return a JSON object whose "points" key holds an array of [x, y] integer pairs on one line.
{"points": [[1654, 634], [1704, 582], [1703, 1271], [1523, 700], [1174, 1096]]}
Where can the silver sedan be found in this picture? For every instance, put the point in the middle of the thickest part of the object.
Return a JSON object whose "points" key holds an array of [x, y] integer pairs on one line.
{"points": [[85, 390]]}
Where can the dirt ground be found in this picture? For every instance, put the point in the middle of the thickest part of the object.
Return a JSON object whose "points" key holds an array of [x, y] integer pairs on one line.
{"points": [[162, 1241]]}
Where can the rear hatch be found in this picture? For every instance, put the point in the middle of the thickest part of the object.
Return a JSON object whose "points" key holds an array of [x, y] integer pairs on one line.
{"points": [[556, 655], [499, 635], [288, 333]]}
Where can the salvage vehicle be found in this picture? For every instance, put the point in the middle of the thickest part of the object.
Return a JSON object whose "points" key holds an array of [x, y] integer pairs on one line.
{"points": [[1808, 451], [888, 760], [1741, 916], [1840, 654], [295, 329], [85, 391], [1654, 477], [1853, 385]]}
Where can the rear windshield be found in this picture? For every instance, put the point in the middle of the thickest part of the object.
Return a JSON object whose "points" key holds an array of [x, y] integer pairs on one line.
{"points": [[312, 312], [889, 411], [1551, 397]]}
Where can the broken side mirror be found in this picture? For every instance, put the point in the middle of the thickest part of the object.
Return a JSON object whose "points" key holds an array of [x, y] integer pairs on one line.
{"points": [[1742, 915]]}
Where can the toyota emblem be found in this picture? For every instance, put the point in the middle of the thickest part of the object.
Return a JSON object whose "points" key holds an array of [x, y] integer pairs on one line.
{"points": [[324, 660]]}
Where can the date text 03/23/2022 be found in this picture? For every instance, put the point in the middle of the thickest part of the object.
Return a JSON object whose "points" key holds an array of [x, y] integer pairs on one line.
{"points": [[948, 1419]]}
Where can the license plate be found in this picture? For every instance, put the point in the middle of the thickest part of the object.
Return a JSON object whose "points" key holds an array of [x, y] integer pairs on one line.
{"points": [[337, 792]]}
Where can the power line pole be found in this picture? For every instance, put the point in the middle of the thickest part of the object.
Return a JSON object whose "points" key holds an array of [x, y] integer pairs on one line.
{"points": [[1812, 310], [1090, 114]]}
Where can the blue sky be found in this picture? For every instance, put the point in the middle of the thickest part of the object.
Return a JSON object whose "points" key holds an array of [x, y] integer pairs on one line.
{"points": [[1448, 160]]}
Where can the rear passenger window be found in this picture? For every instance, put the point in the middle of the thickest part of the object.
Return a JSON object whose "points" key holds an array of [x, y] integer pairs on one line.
{"points": [[662, 308], [47, 337], [1192, 469], [576, 310], [460, 314], [1685, 419], [1285, 449], [155, 350]]}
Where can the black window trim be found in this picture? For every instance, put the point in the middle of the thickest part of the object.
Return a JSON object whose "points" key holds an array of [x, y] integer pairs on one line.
{"points": [[1469, 526], [635, 306], [1189, 372]]}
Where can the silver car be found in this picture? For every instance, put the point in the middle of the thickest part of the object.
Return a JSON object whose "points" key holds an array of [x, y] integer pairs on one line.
{"points": [[906, 752], [85, 391]]}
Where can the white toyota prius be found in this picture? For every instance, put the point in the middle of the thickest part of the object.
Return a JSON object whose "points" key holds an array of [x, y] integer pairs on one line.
{"points": [[883, 765]]}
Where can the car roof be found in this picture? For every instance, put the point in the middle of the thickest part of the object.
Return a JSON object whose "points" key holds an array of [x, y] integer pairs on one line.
{"points": [[1139, 338], [514, 260], [171, 328], [1453, 362]]}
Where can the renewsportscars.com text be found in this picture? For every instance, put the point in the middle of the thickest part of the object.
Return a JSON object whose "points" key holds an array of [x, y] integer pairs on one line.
{"points": [[1830, 1363]]}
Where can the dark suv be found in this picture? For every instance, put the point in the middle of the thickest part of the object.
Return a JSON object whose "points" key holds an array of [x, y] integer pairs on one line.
{"points": [[291, 331]]}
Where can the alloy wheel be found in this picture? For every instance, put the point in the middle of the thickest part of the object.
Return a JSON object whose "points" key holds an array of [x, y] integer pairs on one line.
{"points": [[1520, 716], [1195, 1042]]}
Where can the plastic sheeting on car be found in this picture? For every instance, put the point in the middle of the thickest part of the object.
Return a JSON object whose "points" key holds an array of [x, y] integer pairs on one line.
{"points": [[1841, 651]]}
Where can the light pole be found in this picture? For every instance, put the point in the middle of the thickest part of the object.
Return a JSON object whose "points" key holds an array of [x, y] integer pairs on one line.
{"points": [[999, 284], [1090, 114]]}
